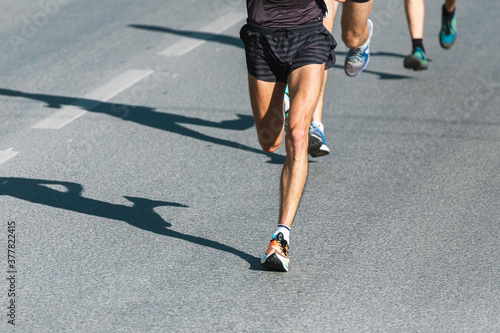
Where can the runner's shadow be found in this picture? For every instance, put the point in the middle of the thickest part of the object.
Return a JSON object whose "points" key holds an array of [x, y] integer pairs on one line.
{"points": [[223, 39], [383, 54], [376, 54], [382, 75], [152, 118], [68, 196]]}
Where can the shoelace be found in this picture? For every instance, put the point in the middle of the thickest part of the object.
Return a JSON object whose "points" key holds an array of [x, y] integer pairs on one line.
{"points": [[447, 27], [419, 53], [283, 245], [284, 249], [313, 127], [358, 55]]}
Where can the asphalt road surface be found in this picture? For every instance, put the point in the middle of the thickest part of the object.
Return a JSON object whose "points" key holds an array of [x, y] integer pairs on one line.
{"points": [[134, 196]]}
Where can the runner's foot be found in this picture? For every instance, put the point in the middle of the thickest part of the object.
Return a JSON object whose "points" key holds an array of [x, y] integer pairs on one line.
{"points": [[276, 257], [357, 59], [448, 32], [416, 61], [317, 144]]}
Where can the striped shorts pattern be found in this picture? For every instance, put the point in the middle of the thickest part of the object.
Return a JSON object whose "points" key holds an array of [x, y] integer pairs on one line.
{"points": [[273, 53]]}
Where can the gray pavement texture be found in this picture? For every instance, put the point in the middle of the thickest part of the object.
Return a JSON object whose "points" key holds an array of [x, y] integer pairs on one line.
{"points": [[150, 212]]}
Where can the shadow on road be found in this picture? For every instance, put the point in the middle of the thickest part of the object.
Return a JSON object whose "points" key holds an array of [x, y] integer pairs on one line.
{"points": [[223, 39], [150, 117], [141, 214], [382, 76], [378, 54], [235, 41]]}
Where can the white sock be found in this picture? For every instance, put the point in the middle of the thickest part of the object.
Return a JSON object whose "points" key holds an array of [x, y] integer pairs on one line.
{"points": [[369, 37], [285, 231]]}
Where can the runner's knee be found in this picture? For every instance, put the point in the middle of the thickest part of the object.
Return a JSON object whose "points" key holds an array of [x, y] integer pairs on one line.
{"points": [[353, 38], [296, 141]]}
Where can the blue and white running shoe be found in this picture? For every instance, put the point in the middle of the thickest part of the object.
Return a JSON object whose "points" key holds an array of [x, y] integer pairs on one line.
{"points": [[317, 144], [357, 59]]}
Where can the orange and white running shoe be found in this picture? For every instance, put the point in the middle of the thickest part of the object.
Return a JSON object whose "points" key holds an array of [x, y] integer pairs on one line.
{"points": [[276, 257]]}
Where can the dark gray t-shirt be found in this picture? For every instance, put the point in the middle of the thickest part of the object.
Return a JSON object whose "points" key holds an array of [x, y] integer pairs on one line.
{"points": [[284, 13]]}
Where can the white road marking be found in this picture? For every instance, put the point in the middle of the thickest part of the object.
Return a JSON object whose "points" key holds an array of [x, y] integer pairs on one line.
{"points": [[216, 27], [7, 155], [71, 112]]}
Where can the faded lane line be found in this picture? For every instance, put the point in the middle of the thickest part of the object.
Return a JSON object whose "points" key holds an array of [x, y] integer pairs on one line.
{"points": [[91, 100], [7, 154]]}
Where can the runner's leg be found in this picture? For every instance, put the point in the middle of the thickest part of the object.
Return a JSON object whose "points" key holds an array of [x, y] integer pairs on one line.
{"points": [[304, 86], [355, 30], [450, 5], [328, 21], [415, 15], [267, 106], [415, 12]]}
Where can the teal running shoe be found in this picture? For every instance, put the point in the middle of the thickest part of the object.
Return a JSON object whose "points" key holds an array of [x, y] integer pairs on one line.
{"points": [[448, 32], [416, 61]]}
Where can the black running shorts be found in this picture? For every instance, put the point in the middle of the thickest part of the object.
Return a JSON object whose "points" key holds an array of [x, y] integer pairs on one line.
{"points": [[273, 53]]}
